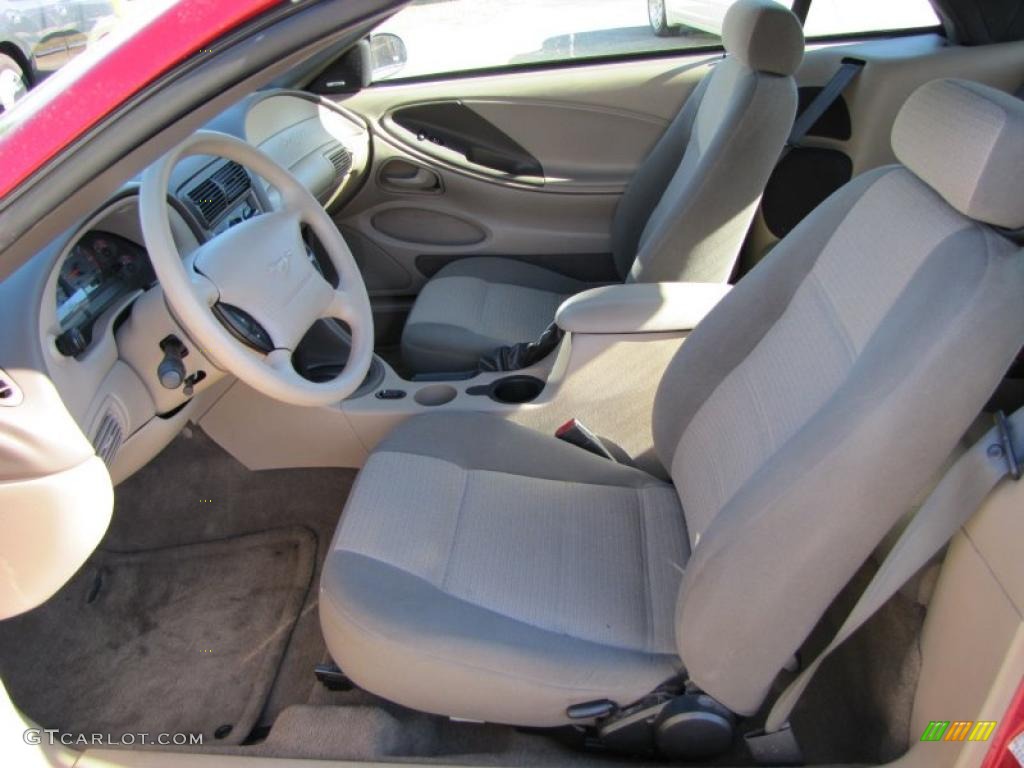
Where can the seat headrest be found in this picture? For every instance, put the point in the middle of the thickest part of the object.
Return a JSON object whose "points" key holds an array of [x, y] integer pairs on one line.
{"points": [[966, 141], [764, 35]]}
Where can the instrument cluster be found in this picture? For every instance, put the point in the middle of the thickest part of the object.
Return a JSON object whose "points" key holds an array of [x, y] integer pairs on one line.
{"points": [[100, 269]]}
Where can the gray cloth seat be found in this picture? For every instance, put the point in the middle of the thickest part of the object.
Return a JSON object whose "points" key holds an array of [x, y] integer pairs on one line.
{"points": [[439, 556], [485, 571], [683, 216], [474, 306]]}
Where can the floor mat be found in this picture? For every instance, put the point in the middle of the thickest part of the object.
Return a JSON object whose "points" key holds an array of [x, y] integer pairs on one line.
{"points": [[181, 639], [215, 497]]}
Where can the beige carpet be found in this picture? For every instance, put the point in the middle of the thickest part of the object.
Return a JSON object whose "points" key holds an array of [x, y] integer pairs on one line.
{"points": [[180, 639]]}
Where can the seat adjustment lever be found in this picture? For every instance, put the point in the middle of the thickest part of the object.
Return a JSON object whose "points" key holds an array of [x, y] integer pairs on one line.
{"points": [[332, 678], [592, 710]]}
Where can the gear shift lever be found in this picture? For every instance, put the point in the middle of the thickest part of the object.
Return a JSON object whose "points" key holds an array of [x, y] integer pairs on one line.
{"points": [[515, 357]]}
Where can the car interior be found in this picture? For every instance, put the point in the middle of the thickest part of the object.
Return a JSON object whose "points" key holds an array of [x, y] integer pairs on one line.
{"points": [[553, 414]]}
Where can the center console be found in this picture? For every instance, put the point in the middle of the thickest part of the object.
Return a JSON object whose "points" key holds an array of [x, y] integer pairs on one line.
{"points": [[604, 372]]}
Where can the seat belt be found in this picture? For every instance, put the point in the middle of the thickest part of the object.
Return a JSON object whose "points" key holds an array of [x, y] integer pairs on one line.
{"points": [[960, 493], [827, 96]]}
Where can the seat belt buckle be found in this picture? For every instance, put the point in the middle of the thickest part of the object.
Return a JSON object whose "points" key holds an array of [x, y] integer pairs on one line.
{"points": [[575, 433], [1005, 446]]}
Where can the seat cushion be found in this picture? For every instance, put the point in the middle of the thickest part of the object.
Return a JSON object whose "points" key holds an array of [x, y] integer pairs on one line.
{"points": [[487, 571], [473, 306]]}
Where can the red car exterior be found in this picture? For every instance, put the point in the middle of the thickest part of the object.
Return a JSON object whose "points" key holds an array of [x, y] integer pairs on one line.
{"points": [[183, 30]]}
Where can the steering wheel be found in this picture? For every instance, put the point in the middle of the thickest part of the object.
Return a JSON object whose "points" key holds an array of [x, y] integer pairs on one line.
{"points": [[248, 295]]}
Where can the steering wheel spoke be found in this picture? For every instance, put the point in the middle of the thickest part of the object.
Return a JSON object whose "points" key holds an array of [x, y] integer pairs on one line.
{"points": [[341, 307], [204, 288]]}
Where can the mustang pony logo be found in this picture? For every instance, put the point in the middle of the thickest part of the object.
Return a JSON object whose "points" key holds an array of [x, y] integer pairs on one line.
{"points": [[280, 264]]}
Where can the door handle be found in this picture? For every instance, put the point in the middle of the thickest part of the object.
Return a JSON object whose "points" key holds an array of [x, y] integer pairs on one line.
{"points": [[421, 180]]}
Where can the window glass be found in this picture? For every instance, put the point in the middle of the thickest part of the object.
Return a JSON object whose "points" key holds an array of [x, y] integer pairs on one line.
{"points": [[442, 36], [843, 17], [41, 37]]}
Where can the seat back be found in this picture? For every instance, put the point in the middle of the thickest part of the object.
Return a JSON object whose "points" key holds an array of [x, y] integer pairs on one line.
{"points": [[688, 207], [812, 407]]}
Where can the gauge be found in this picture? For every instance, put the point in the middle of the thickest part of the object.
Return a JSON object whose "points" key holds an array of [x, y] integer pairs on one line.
{"points": [[100, 269]]}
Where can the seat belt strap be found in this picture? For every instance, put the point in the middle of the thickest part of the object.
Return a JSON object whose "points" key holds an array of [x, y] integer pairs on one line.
{"points": [[958, 495], [826, 97]]}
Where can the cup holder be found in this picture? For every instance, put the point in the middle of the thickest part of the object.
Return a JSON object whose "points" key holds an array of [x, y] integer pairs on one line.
{"points": [[516, 389], [435, 394]]}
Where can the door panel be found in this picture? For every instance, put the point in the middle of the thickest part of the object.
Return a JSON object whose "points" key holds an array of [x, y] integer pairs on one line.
{"points": [[402, 176], [470, 216], [455, 127], [527, 164], [595, 149]]}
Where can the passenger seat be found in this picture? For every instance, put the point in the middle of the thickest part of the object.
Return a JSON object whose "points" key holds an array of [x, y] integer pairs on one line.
{"points": [[683, 216]]}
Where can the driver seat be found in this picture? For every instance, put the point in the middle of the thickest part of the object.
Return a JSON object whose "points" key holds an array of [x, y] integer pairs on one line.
{"points": [[482, 570]]}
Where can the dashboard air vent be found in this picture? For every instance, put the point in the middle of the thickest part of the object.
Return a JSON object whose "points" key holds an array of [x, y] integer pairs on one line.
{"points": [[341, 159], [233, 179], [212, 197], [108, 438], [209, 200]]}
